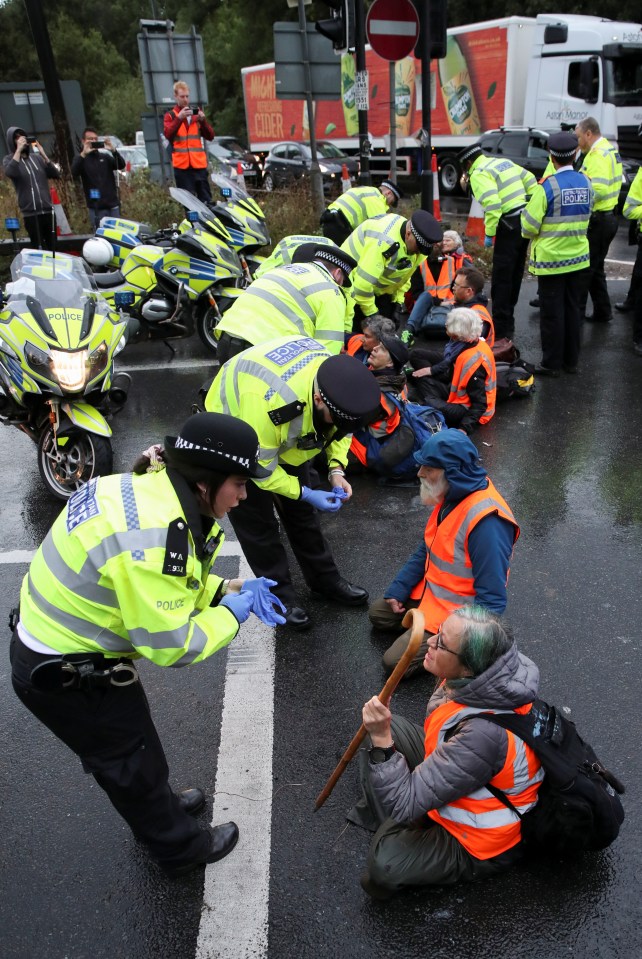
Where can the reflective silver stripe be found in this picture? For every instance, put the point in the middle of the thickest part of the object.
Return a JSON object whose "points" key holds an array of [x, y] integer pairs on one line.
{"points": [[166, 639], [456, 568], [92, 632], [448, 595], [134, 541], [83, 583], [336, 335], [130, 509], [197, 644], [479, 820], [275, 383]]}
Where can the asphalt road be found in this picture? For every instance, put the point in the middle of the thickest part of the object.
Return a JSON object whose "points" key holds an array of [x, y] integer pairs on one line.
{"points": [[74, 884]]}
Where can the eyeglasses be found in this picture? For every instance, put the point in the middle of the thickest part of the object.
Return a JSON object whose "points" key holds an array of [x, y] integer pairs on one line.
{"points": [[459, 286], [440, 644]]}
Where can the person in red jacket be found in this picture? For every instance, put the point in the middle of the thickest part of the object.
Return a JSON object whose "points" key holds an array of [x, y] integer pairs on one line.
{"points": [[186, 127]]}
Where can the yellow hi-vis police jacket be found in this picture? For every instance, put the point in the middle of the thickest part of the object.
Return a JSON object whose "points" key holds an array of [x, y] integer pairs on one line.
{"points": [[385, 266], [270, 387], [633, 203], [360, 203], [282, 253], [124, 572], [301, 299], [603, 167], [500, 186]]}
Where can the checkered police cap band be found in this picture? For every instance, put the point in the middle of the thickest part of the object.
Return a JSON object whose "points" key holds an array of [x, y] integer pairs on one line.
{"points": [[182, 444], [421, 240], [349, 417], [328, 257], [563, 154], [468, 154]]}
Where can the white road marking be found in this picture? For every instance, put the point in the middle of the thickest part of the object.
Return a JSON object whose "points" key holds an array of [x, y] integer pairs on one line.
{"points": [[234, 921], [17, 556], [168, 366]]}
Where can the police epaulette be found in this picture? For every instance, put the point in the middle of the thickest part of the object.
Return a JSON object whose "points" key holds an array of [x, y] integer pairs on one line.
{"points": [[391, 251], [287, 413]]}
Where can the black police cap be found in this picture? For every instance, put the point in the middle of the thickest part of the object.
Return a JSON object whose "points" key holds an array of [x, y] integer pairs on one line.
{"points": [[220, 443], [425, 229], [562, 145], [348, 389]]}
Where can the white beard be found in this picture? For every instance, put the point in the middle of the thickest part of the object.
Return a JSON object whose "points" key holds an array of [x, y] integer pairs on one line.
{"points": [[433, 493]]}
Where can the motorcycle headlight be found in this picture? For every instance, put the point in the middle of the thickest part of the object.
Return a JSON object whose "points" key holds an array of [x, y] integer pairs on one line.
{"points": [[70, 369], [97, 360], [37, 359]]}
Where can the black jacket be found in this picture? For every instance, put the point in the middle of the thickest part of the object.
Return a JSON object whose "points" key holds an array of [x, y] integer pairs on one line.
{"points": [[96, 171]]}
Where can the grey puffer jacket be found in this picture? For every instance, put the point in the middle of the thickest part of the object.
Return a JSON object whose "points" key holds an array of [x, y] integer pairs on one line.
{"points": [[29, 174], [472, 756]]}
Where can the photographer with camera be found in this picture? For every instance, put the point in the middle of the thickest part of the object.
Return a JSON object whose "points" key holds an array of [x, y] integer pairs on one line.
{"points": [[96, 165], [29, 167], [186, 127]]}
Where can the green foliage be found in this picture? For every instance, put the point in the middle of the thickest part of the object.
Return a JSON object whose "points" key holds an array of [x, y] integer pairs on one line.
{"points": [[119, 108], [289, 211], [142, 200]]}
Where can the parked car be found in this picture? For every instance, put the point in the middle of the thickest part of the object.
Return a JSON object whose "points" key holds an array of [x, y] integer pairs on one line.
{"points": [[290, 161], [135, 157], [241, 152], [225, 162]]}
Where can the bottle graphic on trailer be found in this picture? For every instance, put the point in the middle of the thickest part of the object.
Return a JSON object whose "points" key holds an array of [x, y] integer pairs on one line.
{"points": [[404, 95], [457, 91], [348, 95]]}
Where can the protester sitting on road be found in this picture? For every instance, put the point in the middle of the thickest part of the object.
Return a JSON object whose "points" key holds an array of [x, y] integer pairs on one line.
{"points": [[426, 788], [436, 274], [461, 384], [386, 442], [361, 345], [126, 571], [466, 289], [467, 547]]}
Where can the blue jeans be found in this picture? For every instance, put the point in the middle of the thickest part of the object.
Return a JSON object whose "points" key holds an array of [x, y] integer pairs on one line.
{"points": [[96, 215], [421, 309]]}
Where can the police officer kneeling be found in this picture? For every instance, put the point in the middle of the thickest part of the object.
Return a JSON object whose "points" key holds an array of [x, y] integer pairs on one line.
{"points": [[125, 572]]}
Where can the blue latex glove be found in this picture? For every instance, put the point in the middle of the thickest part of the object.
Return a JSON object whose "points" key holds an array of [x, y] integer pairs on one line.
{"points": [[239, 604], [340, 493], [265, 601], [321, 499], [488, 241]]}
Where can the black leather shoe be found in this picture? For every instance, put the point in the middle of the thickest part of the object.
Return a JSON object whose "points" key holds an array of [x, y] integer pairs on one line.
{"points": [[191, 800], [545, 370], [296, 618], [592, 318], [344, 593], [626, 306], [223, 839]]}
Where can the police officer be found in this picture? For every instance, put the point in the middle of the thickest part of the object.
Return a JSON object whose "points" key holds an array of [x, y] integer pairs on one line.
{"points": [[502, 187], [304, 298], [300, 400], [356, 205], [285, 250], [633, 212], [388, 250], [602, 165], [555, 221], [125, 572]]}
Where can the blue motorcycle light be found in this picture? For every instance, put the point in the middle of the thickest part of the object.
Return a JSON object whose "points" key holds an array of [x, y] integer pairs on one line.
{"points": [[123, 299], [192, 216], [11, 223], [226, 192]]}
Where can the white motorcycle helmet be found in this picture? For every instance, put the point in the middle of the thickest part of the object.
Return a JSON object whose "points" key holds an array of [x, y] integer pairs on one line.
{"points": [[98, 251]]}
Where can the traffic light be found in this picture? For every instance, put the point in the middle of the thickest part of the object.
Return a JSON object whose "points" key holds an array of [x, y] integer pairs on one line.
{"points": [[433, 23], [340, 28]]}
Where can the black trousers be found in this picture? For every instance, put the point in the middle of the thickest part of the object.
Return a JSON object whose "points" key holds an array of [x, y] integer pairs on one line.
{"points": [[112, 732], [636, 288], [334, 226], [195, 181], [560, 317], [509, 257], [229, 346], [601, 230], [257, 527], [41, 228]]}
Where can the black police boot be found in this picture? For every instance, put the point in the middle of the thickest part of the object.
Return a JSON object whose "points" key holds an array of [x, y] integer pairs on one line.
{"points": [[191, 800], [223, 839]]}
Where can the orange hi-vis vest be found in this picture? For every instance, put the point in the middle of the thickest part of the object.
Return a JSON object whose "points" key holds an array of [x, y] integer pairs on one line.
{"points": [[486, 318], [187, 147], [380, 429], [480, 822], [448, 580], [450, 264], [466, 365], [354, 344]]}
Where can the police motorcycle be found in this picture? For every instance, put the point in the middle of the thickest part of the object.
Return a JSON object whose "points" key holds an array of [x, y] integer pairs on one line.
{"points": [[244, 219], [186, 282], [58, 340]]}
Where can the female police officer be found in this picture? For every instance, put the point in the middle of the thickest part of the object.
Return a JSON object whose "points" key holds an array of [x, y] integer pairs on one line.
{"points": [[125, 572]]}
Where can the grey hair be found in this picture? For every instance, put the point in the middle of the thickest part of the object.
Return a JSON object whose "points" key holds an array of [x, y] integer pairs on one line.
{"points": [[464, 323], [484, 639], [380, 326], [589, 125], [453, 235]]}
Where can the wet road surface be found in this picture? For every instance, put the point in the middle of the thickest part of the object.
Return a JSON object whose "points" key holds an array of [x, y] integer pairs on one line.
{"points": [[75, 884]]}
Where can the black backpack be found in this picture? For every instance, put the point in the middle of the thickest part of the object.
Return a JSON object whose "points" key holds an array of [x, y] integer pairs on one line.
{"points": [[514, 379], [577, 807]]}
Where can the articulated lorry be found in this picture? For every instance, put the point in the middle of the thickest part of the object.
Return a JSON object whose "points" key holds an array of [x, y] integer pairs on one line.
{"points": [[546, 72]]}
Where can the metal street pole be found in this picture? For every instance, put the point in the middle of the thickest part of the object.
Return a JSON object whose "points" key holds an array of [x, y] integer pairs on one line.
{"points": [[38, 24], [393, 122], [361, 91], [426, 145], [316, 180]]}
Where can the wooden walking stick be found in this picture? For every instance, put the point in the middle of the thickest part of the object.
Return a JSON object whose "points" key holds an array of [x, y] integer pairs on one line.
{"points": [[412, 618]]}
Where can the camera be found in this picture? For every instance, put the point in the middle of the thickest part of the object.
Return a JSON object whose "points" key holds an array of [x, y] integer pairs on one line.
{"points": [[97, 144], [32, 139]]}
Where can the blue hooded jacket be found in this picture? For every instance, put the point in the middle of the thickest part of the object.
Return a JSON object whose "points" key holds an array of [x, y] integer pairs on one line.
{"points": [[490, 543]]}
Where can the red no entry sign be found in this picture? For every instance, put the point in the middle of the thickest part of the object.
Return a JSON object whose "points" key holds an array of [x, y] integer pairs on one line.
{"points": [[392, 27]]}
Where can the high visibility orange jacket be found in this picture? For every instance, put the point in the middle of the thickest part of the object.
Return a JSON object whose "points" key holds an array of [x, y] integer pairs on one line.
{"points": [[466, 365], [486, 318], [188, 152], [380, 429], [450, 264], [481, 823], [354, 344], [449, 580]]}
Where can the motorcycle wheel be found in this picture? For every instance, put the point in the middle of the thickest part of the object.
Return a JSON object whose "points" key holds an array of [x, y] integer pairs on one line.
{"points": [[206, 324], [65, 469]]}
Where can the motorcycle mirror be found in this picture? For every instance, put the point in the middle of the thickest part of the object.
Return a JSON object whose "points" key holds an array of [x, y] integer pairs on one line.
{"points": [[123, 299], [192, 216]]}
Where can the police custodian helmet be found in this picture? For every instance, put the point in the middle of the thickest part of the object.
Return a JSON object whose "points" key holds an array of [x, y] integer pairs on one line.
{"points": [[218, 442]]}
